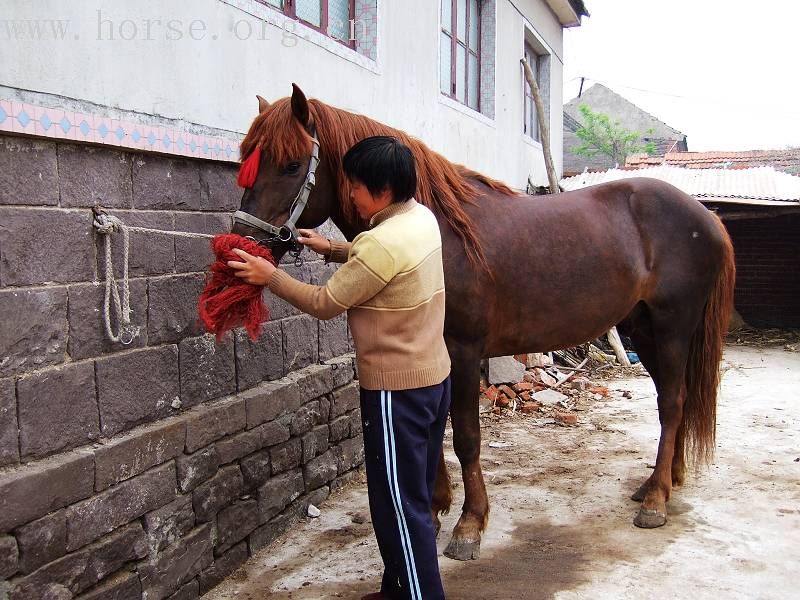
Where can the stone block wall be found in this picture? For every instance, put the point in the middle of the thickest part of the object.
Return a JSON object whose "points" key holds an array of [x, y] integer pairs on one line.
{"points": [[150, 470]]}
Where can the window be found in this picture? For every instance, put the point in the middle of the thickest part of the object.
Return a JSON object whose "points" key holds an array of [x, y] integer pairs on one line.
{"points": [[460, 64], [531, 121], [331, 17]]}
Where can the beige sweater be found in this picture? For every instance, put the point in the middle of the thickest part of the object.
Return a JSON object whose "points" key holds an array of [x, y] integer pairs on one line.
{"points": [[392, 286]]}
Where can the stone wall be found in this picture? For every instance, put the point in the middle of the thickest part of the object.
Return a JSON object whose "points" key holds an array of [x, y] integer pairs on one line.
{"points": [[149, 470]]}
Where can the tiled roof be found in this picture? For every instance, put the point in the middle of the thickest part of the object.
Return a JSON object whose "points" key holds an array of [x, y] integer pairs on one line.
{"points": [[759, 183], [787, 161]]}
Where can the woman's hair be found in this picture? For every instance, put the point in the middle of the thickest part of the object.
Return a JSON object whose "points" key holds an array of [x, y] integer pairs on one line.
{"points": [[381, 162]]}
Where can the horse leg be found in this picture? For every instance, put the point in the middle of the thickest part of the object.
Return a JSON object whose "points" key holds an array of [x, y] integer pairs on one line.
{"points": [[442, 493], [672, 351], [466, 541]]}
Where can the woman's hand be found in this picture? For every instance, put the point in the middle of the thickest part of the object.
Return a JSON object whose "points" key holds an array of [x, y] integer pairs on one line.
{"points": [[254, 270], [311, 239]]}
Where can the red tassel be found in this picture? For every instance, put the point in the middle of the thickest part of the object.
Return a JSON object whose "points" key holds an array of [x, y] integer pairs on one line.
{"points": [[227, 301], [249, 169]]}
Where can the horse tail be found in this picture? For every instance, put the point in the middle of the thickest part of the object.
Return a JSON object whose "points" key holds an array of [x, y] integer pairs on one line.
{"points": [[705, 354]]}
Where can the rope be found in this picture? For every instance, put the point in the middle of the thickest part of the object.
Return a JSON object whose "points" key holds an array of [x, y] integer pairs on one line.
{"points": [[107, 225]]}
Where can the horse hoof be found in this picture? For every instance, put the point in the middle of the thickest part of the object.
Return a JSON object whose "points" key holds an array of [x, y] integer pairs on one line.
{"points": [[649, 518], [461, 549]]}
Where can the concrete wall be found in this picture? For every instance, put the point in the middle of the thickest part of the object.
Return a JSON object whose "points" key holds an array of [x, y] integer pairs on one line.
{"points": [[137, 471], [212, 81]]}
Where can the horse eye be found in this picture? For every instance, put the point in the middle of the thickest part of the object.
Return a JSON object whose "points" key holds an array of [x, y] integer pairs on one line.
{"points": [[292, 168]]}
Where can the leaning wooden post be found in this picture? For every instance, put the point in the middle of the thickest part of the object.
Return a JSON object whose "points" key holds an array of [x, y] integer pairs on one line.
{"points": [[619, 349], [543, 128]]}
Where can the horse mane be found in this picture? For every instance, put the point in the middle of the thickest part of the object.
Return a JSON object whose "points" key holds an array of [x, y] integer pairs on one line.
{"points": [[442, 186]]}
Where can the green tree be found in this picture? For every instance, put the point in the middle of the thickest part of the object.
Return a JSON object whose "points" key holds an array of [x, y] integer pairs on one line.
{"points": [[600, 135]]}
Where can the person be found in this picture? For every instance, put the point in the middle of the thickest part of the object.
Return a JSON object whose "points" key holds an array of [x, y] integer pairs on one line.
{"points": [[392, 286]]}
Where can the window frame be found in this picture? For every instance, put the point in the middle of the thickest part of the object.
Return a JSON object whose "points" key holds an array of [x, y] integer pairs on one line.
{"points": [[527, 94], [454, 43], [289, 11]]}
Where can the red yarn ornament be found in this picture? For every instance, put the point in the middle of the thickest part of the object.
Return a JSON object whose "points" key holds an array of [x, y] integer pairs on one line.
{"points": [[249, 169], [228, 301]]}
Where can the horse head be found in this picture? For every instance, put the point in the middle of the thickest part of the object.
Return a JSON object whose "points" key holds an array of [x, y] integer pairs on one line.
{"points": [[288, 184]]}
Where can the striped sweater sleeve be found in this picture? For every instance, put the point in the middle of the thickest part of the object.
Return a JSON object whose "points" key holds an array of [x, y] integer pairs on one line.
{"points": [[368, 270]]}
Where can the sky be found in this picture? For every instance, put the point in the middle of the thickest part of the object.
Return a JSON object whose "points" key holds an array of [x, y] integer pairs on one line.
{"points": [[724, 72]]}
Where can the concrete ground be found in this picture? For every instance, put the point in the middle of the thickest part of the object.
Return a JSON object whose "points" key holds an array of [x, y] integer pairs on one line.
{"points": [[561, 521]]}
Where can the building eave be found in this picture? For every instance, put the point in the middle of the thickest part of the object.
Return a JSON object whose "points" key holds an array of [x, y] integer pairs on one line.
{"points": [[567, 14]]}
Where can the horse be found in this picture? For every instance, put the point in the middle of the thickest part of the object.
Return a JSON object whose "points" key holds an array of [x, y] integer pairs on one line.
{"points": [[525, 274]]}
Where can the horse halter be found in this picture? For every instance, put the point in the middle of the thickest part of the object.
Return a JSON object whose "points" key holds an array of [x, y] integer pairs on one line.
{"points": [[288, 231]]}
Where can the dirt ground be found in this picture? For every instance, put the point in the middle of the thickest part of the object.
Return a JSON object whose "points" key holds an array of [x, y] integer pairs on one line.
{"points": [[561, 522]]}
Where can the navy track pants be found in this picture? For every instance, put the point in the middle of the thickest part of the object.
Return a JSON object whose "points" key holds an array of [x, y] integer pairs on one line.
{"points": [[403, 433]]}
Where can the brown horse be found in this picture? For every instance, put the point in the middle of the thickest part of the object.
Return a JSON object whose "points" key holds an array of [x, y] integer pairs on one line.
{"points": [[532, 274]]}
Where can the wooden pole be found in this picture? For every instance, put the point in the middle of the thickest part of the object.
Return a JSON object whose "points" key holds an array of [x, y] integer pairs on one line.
{"points": [[543, 128]]}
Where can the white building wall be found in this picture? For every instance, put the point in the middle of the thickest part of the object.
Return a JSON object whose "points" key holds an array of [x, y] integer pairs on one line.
{"points": [[210, 77]]}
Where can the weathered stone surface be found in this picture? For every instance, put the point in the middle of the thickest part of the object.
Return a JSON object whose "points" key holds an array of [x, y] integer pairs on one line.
{"points": [[261, 360], [207, 369], [239, 445], [300, 343], [345, 399], [178, 564], [266, 534], [89, 175], [325, 408], [87, 330], [505, 369], [345, 479], [313, 381], [342, 370], [333, 337], [166, 183], [28, 171], [136, 387], [166, 525], [9, 556], [33, 329], [196, 468], [235, 523], [57, 410], [206, 424], [356, 427], [194, 254], [275, 432], [151, 253], [340, 428], [221, 490], [222, 567], [127, 456], [81, 570], [89, 519], [315, 442], [33, 490], [121, 586], [286, 456], [172, 308], [188, 591], [255, 469], [305, 418], [349, 453], [316, 497], [269, 400], [321, 470], [63, 251], [278, 492], [9, 430], [220, 190], [42, 541]]}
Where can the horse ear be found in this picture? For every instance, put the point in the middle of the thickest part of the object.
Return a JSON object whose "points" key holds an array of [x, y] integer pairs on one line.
{"points": [[300, 105], [262, 104]]}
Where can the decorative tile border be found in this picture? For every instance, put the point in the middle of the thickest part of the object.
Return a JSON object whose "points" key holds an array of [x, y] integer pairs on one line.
{"points": [[103, 125]]}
